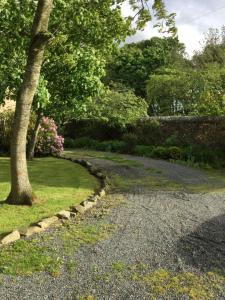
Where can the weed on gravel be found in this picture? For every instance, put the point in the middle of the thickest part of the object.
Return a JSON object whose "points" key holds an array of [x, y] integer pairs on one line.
{"points": [[50, 253], [151, 182], [163, 284]]}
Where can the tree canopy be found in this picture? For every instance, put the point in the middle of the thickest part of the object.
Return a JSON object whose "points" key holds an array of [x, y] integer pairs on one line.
{"points": [[134, 62]]}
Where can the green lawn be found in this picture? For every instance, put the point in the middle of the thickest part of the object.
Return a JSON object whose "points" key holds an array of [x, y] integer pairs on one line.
{"points": [[57, 184]]}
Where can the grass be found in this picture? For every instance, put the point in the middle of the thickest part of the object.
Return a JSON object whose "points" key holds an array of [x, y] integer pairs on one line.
{"points": [[58, 184], [103, 155], [163, 284], [26, 257], [50, 253], [149, 181], [166, 284]]}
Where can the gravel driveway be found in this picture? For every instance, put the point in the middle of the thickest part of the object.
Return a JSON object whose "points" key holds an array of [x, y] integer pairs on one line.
{"points": [[162, 236]]}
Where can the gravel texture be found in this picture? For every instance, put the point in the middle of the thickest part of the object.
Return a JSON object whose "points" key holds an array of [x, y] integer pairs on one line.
{"points": [[173, 230]]}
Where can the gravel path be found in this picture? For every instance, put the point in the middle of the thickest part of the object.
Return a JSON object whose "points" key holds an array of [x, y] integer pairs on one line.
{"points": [[156, 229]]}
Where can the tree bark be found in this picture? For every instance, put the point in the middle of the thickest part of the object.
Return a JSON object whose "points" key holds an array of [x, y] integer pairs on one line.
{"points": [[21, 191], [33, 139]]}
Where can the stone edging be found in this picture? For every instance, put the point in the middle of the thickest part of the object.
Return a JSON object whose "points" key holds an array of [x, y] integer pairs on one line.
{"points": [[60, 217]]}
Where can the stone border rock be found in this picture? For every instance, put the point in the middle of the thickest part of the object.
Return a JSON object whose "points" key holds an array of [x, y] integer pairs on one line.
{"points": [[64, 215]]}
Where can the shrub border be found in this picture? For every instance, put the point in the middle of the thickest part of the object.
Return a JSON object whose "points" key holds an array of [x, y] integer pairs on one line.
{"points": [[64, 215]]}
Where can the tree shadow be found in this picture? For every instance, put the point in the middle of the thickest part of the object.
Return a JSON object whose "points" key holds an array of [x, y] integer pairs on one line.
{"points": [[204, 248], [51, 172]]}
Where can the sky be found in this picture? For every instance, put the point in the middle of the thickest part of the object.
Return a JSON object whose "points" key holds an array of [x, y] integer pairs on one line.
{"points": [[194, 18]]}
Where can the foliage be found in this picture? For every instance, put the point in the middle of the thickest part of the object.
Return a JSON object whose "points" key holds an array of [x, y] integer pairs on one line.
{"points": [[188, 92], [161, 283], [133, 64], [82, 38], [193, 154], [6, 121], [58, 184], [25, 258], [166, 92], [213, 49], [29, 256], [48, 141], [87, 143], [119, 108]]}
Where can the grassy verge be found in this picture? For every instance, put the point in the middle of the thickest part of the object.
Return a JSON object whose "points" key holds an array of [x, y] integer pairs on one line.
{"points": [[102, 155], [57, 184], [51, 253], [54, 251]]}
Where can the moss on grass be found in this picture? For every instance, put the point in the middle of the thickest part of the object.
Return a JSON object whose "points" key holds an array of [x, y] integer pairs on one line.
{"points": [[163, 284], [58, 184], [25, 257]]}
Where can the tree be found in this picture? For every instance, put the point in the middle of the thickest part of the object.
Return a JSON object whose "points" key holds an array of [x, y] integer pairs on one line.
{"points": [[213, 49], [166, 92], [135, 62], [21, 191], [118, 106], [39, 109], [187, 92], [88, 21]]}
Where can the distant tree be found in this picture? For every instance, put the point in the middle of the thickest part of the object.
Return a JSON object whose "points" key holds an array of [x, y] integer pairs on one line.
{"points": [[187, 92], [166, 92], [118, 106], [134, 62], [213, 49]]}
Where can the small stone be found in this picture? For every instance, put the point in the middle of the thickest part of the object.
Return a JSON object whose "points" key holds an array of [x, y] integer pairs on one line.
{"points": [[94, 198], [88, 164], [93, 170], [102, 193], [99, 175], [73, 214], [64, 214], [78, 208], [88, 204], [31, 230], [45, 223], [79, 161], [11, 237]]}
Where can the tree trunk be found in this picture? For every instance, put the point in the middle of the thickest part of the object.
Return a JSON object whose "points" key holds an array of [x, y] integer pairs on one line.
{"points": [[33, 139], [21, 190]]}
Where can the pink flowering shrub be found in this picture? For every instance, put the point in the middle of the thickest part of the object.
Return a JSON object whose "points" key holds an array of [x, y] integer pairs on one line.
{"points": [[48, 142]]}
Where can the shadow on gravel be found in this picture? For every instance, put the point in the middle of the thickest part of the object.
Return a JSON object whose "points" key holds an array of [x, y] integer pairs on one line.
{"points": [[204, 248]]}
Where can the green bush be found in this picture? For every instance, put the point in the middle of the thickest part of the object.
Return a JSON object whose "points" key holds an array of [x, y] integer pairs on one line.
{"points": [[69, 143], [85, 142], [130, 140], [197, 154], [143, 150], [110, 146], [161, 152], [175, 152], [194, 155], [6, 122]]}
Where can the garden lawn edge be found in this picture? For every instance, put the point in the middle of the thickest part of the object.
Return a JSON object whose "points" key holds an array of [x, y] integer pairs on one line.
{"points": [[62, 216]]}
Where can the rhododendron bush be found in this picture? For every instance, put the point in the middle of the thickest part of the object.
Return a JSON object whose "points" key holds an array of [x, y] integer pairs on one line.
{"points": [[48, 142]]}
